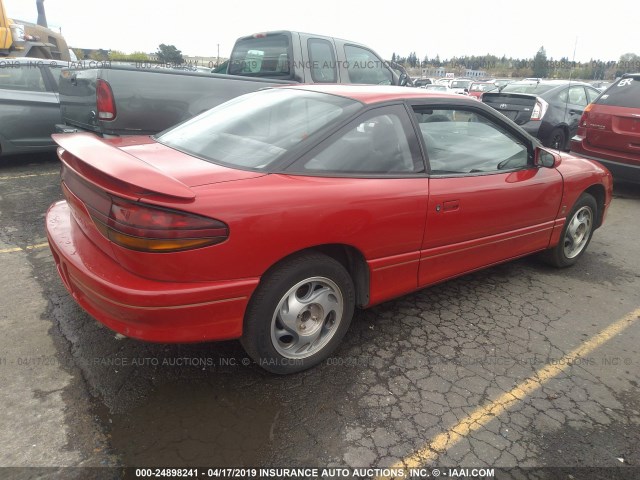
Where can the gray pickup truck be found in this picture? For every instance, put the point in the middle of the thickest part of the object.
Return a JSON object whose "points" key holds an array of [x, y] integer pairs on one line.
{"points": [[144, 99]]}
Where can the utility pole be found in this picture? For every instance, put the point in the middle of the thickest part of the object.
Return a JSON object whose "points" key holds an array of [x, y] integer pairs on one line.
{"points": [[218, 60]]}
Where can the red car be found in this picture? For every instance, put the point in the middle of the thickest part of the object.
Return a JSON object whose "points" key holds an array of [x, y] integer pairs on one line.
{"points": [[271, 217], [478, 88], [609, 130]]}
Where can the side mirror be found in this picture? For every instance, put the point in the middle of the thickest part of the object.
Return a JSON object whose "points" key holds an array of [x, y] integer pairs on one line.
{"points": [[402, 81], [544, 158]]}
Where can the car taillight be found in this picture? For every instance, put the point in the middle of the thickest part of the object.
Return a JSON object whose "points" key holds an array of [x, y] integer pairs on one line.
{"points": [[105, 101], [539, 110], [585, 115], [148, 228]]}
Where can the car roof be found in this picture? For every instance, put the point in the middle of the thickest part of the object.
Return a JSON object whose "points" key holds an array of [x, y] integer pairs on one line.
{"points": [[369, 94]]}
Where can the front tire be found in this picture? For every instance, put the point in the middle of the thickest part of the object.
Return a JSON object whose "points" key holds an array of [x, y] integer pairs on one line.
{"points": [[576, 234], [299, 313]]}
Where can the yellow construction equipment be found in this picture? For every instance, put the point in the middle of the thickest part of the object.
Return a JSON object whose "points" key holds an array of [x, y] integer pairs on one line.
{"points": [[25, 39]]}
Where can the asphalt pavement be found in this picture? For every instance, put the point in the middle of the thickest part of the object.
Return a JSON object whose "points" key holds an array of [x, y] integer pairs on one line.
{"points": [[517, 365]]}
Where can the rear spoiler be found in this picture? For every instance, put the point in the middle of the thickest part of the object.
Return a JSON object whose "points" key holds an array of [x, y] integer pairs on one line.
{"points": [[114, 170], [523, 96]]}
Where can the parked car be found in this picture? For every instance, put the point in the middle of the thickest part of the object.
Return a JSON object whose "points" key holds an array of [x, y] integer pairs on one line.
{"points": [[502, 82], [547, 109], [478, 88], [601, 85], [461, 85], [29, 104], [271, 217], [421, 82], [438, 88], [444, 81], [609, 130]]}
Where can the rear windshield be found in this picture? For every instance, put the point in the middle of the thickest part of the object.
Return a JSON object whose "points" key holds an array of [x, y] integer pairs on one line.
{"points": [[624, 93], [527, 88], [254, 130], [263, 56]]}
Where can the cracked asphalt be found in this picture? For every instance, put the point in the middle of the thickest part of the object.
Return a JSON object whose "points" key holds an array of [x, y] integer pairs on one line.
{"points": [[409, 371]]}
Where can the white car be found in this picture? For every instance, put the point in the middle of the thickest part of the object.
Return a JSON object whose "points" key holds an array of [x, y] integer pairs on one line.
{"points": [[438, 88], [461, 85]]}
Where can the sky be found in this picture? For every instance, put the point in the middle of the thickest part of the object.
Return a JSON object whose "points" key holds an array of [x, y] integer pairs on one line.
{"points": [[597, 30]]}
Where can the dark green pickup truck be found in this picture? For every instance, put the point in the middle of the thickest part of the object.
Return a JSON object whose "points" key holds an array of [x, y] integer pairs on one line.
{"points": [[144, 99]]}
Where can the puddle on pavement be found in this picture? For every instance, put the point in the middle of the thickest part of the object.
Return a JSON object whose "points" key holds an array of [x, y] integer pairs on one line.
{"points": [[183, 425]]}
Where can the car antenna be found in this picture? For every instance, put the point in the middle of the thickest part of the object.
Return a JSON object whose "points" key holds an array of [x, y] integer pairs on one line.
{"points": [[573, 61]]}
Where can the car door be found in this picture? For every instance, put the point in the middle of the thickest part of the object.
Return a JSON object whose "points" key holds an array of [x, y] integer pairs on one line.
{"points": [[575, 100], [487, 201], [30, 107], [369, 188]]}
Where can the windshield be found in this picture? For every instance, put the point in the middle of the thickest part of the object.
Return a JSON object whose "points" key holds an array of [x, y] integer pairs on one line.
{"points": [[437, 88], [527, 87], [254, 130]]}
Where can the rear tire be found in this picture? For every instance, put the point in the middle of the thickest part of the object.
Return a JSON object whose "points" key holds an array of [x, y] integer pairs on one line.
{"points": [[576, 234], [558, 139], [299, 313]]}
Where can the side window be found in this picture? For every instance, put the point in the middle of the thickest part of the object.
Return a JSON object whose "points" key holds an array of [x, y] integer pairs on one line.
{"points": [[461, 141], [27, 78], [576, 96], [592, 94], [365, 67], [323, 61], [374, 144], [55, 73]]}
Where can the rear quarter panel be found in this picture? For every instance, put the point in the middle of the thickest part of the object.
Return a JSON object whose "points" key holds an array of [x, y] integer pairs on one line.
{"points": [[272, 216]]}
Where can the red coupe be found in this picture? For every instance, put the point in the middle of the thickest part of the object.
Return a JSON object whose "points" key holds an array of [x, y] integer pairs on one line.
{"points": [[271, 217]]}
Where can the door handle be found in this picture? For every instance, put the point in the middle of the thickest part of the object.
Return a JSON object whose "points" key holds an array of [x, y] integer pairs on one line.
{"points": [[448, 206]]}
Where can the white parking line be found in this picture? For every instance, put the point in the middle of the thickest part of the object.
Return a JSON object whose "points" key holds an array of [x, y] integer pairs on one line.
{"points": [[30, 175]]}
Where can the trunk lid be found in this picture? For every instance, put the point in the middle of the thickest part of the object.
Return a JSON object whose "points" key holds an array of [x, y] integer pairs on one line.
{"points": [[139, 166], [614, 128], [95, 170], [515, 106]]}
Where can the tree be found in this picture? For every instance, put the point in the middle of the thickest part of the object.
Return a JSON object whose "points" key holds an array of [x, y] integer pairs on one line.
{"points": [[629, 62], [116, 55], [169, 54], [540, 64]]}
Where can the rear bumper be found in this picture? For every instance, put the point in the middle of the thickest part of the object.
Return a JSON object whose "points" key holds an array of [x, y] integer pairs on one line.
{"points": [[622, 167], [138, 307]]}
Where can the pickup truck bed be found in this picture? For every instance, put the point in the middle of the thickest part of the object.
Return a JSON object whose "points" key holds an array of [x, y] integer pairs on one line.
{"points": [[147, 100]]}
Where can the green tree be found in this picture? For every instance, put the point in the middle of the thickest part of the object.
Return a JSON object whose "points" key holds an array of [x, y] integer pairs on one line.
{"points": [[629, 62], [169, 54], [540, 64], [116, 55]]}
